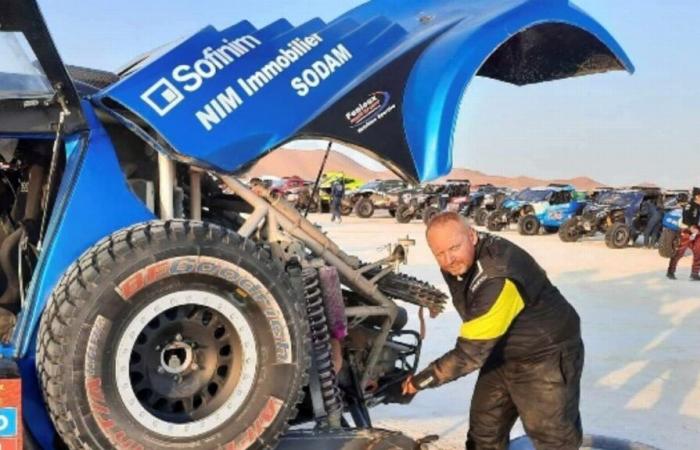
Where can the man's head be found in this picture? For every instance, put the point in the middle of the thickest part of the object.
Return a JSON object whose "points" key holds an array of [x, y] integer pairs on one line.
{"points": [[452, 241], [696, 195]]}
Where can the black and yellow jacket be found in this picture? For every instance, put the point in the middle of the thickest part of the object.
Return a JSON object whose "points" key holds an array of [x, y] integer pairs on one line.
{"points": [[691, 214], [510, 312]]}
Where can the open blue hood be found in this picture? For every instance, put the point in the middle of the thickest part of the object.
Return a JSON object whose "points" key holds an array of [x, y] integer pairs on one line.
{"points": [[386, 77]]}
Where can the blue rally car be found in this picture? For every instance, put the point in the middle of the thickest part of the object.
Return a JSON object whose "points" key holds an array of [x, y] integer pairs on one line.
{"points": [[536, 208], [150, 300]]}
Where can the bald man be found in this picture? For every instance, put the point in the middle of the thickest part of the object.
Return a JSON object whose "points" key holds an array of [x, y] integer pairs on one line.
{"points": [[517, 329]]}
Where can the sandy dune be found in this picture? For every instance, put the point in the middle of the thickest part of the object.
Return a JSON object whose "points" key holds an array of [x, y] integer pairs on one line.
{"points": [[642, 375]]}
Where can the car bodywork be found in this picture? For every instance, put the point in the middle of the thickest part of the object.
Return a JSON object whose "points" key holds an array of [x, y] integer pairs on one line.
{"points": [[556, 215], [386, 77], [434, 50], [324, 189], [613, 209], [380, 194], [535, 202]]}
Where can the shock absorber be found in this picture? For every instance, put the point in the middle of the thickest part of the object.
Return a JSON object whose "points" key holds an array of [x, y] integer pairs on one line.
{"points": [[321, 347]]}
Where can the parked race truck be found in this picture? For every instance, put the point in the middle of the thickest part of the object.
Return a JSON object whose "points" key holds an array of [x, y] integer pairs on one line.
{"points": [[144, 306], [529, 207]]}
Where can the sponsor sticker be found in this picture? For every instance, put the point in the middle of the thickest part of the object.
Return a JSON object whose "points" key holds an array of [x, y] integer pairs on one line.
{"points": [[162, 96], [370, 110], [10, 414]]}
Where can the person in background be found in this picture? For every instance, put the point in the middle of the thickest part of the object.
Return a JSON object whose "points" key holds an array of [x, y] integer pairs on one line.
{"points": [[651, 209], [690, 238], [337, 194]]}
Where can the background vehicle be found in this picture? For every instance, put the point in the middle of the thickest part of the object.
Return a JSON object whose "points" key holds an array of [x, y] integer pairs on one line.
{"points": [[617, 214], [414, 202], [324, 191], [670, 232], [485, 198], [376, 194], [143, 306], [556, 215], [627, 223], [527, 207], [454, 196], [674, 201]]}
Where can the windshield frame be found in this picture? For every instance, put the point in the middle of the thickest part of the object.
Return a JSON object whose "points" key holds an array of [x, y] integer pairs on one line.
{"points": [[20, 116], [533, 195], [21, 75], [621, 198]]}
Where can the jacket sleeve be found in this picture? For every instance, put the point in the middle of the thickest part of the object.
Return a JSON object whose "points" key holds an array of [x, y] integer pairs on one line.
{"points": [[495, 305], [690, 215]]}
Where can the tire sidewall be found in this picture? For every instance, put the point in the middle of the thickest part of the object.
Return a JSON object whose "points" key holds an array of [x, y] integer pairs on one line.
{"points": [[568, 232], [528, 225], [364, 208], [401, 215], [118, 294], [613, 234]]}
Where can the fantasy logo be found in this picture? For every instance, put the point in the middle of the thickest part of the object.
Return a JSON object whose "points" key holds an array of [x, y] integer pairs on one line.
{"points": [[367, 112]]}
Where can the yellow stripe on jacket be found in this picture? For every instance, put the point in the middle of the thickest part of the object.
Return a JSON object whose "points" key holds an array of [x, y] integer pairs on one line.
{"points": [[495, 322]]}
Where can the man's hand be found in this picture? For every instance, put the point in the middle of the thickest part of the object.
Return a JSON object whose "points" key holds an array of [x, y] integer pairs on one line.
{"points": [[407, 387], [401, 393]]}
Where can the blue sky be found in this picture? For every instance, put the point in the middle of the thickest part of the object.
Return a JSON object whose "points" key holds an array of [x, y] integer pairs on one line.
{"points": [[617, 128]]}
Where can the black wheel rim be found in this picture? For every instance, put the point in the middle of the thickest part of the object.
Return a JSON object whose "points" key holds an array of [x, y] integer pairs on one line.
{"points": [[185, 363], [621, 237]]}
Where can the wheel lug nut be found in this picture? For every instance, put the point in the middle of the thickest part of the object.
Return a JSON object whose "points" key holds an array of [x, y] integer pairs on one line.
{"points": [[178, 337], [195, 366]]}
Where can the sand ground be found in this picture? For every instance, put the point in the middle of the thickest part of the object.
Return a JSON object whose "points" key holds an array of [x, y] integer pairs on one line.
{"points": [[642, 374]]}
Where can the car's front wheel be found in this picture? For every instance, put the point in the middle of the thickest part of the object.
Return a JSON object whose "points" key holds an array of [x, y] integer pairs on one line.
{"points": [[404, 213], [480, 216], [528, 225], [173, 335], [364, 208], [668, 242], [429, 213], [493, 221], [570, 231], [618, 236]]}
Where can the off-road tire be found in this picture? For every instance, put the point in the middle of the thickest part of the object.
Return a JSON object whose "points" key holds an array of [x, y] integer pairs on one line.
{"points": [[528, 225], [617, 236], [492, 222], [570, 231], [668, 243], [346, 207], [480, 216], [364, 208], [410, 289], [403, 214], [429, 213], [228, 286]]}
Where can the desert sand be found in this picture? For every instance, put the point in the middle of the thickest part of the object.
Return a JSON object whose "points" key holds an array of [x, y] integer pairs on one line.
{"points": [[642, 373]]}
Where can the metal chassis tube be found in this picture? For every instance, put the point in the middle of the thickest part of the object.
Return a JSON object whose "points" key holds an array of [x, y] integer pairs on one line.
{"points": [[280, 214]]}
